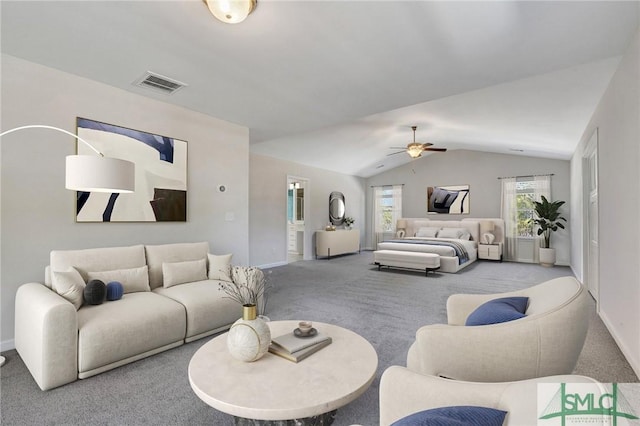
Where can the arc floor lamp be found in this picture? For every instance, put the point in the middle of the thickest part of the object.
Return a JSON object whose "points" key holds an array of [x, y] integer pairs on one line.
{"points": [[90, 173]]}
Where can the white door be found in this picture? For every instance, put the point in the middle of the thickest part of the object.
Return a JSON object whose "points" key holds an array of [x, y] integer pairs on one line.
{"points": [[590, 179], [592, 282]]}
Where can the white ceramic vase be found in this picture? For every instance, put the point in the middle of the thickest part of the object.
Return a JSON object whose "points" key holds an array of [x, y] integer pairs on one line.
{"points": [[249, 337]]}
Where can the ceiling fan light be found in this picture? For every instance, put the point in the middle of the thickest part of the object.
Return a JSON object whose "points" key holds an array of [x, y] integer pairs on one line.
{"points": [[414, 150], [231, 11]]}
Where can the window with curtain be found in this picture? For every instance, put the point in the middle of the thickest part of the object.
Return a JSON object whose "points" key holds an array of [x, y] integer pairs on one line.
{"points": [[518, 194], [387, 209]]}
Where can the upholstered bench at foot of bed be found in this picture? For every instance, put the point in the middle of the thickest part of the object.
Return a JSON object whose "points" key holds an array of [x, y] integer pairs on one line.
{"points": [[407, 259]]}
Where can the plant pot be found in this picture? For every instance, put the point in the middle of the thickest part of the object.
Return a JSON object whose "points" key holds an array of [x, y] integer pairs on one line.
{"points": [[547, 257], [249, 337]]}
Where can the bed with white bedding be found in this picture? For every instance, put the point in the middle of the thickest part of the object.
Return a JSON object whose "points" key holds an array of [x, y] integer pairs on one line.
{"points": [[455, 241]]}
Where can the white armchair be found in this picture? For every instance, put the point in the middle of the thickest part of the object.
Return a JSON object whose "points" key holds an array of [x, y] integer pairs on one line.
{"points": [[404, 392], [546, 342]]}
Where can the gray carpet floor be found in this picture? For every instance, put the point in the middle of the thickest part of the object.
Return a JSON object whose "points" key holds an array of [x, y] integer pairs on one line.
{"points": [[386, 307]]}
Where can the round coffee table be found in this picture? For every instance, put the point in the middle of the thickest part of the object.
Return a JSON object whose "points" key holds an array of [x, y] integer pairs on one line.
{"points": [[273, 388]]}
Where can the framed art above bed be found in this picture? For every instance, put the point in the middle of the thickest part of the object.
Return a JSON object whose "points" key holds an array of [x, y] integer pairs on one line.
{"points": [[448, 199]]}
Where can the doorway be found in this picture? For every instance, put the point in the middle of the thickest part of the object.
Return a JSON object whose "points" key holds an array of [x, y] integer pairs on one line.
{"points": [[296, 211], [590, 183]]}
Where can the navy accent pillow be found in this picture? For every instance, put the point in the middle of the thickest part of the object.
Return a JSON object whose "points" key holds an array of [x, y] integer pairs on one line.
{"points": [[465, 415], [115, 290], [498, 310], [95, 292]]}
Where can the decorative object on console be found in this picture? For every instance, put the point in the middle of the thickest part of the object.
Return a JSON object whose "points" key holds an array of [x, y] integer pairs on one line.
{"points": [[401, 228], [348, 222], [448, 199], [249, 337], [231, 11], [548, 221], [92, 173], [162, 176], [336, 208]]}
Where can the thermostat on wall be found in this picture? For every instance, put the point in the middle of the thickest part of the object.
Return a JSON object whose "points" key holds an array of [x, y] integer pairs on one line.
{"points": [[222, 188]]}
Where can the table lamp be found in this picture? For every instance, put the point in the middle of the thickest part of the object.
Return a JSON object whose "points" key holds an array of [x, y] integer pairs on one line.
{"points": [[401, 228], [486, 228]]}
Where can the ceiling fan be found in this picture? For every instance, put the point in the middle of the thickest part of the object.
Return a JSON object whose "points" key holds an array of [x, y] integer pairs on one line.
{"points": [[415, 149]]}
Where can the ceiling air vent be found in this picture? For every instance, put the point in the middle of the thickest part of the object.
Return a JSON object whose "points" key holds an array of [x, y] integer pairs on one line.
{"points": [[159, 83]]}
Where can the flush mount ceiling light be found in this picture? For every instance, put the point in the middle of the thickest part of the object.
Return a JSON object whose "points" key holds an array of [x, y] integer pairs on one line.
{"points": [[231, 11]]}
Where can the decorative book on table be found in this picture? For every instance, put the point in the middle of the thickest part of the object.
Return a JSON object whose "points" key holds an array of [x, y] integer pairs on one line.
{"points": [[295, 348]]}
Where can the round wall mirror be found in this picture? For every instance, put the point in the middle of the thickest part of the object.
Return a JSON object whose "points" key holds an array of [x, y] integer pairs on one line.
{"points": [[336, 208]]}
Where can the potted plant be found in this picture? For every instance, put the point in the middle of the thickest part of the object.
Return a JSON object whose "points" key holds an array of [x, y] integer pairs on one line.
{"points": [[548, 221], [348, 222]]}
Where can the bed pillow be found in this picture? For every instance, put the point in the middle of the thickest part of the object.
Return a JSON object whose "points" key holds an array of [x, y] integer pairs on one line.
{"points": [[498, 310], [70, 285], [220, 267], [455, 416], [133, 279], [466, 235], [174, 273], [427, 232], [450, 233]]}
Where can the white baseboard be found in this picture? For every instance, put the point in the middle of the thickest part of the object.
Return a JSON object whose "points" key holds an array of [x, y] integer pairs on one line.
{"points": [[272, 265], [7, 345], [628, 354]]}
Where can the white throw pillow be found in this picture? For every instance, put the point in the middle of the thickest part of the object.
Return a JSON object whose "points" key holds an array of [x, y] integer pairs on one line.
{"points": [[220, 267], [450, 233], [174, 273], [429, 232], [70, 285], [132, 280]]}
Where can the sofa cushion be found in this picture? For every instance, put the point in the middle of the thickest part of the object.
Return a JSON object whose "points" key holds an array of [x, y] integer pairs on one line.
{"points": [[498, 310], [137, 323], [158, 254], [132, 279], [70, 285], [174, 273], [206, 305], [220, 267], [98, 259], [95, 292], [115, 291], [454, 416]]}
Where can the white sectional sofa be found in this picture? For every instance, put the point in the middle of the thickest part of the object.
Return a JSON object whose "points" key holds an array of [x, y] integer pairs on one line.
{"points": [[59, 343]]}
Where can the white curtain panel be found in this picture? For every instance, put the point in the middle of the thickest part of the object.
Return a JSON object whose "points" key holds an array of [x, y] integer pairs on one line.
{"points": [[387, 202], [510, 217], [542, 186]]}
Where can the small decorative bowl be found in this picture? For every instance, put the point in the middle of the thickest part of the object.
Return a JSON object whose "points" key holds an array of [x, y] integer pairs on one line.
{"points": [[305, 327]]}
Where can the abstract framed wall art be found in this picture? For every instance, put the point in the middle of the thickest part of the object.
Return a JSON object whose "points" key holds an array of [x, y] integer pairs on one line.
{"points": [[448, 199], [161, 176]]}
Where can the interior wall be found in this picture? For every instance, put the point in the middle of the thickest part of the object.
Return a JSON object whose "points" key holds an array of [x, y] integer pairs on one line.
{"points": [[479, 170], [38, 213], [268, 206], [617, 120]]}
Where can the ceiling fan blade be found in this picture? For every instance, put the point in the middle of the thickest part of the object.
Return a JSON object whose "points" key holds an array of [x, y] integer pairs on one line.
{"points": [[427, 144], [435, 149], [394, 153]]}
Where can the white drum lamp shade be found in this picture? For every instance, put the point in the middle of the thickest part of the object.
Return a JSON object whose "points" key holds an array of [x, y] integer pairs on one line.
{"points": [[93, 173]]}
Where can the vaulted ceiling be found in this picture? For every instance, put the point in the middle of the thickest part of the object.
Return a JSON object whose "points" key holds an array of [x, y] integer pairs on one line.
{"points": [[335, 84]]}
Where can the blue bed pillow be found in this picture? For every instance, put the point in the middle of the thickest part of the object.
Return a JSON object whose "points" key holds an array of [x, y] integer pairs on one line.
{"points": [[498, 310], [465, 415]]}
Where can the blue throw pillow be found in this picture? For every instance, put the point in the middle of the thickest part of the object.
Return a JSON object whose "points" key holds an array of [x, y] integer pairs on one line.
{"points": [[115, 290], [498, 310], [454, 416], [95, 292]]}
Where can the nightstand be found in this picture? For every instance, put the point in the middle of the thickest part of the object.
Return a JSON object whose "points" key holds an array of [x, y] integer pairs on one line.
{"points": [[490, 251]]}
